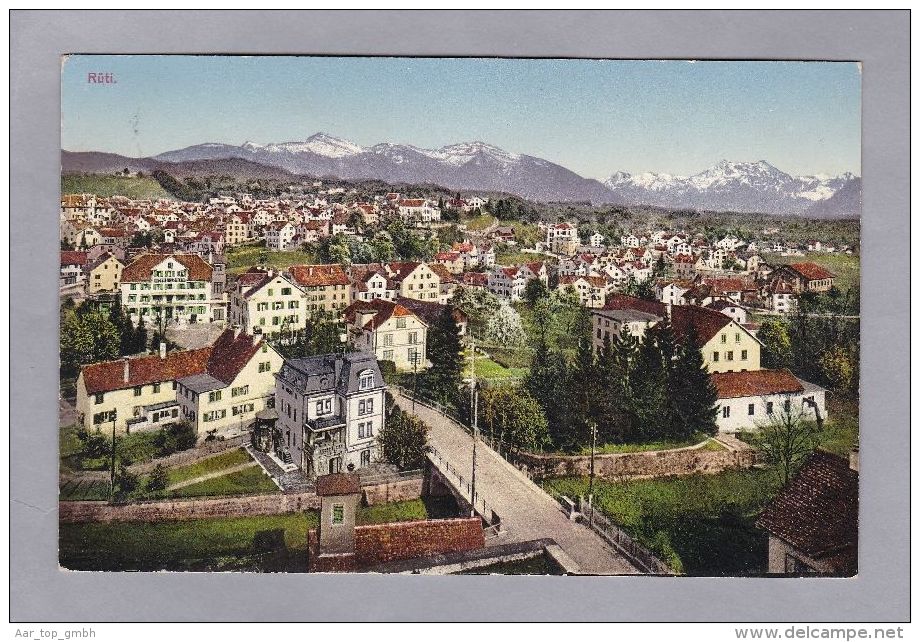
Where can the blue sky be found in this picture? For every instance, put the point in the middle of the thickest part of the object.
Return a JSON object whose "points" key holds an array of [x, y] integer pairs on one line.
{"points": [[594, 117]]}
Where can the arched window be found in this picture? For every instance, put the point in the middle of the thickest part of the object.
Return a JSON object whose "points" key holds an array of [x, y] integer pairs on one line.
{"points": [[366, 380]]}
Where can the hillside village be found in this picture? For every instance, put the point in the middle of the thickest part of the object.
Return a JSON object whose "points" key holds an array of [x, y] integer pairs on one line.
{"points": [[229, 318]]}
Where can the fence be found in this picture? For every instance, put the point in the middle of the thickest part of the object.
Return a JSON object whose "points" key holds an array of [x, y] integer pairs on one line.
{"points": [[616, 536], [477, 503]]}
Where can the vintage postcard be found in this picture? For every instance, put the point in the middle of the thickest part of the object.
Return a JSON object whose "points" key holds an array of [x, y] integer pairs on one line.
{"points": [[459, 315]]}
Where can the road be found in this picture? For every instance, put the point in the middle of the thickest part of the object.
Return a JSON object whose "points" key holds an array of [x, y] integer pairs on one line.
{"points": [[526, 511]]}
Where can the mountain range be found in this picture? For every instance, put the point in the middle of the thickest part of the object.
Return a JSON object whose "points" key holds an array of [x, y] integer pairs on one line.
{"points": [[738, 186]]}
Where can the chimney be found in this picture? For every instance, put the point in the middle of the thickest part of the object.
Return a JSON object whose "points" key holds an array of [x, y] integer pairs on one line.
{"points": [[236, 330], [667, 307], [854, 458], [162, 350], [127, 369]]}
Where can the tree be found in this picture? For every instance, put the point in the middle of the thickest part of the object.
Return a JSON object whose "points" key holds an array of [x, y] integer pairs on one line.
{"points": [[158, 480], [786, 441], [535, 290], [504, 326], [403, 440], [139, 341], [837, 365], [126, 483], [777, 346], [692, 394], [87, 337], [445, 352], [649, 384], [516, 418]]}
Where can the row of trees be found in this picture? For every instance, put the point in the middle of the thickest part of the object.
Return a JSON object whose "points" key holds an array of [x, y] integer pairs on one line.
{"points": [[632, 391], [90, 335], [821, 349]]}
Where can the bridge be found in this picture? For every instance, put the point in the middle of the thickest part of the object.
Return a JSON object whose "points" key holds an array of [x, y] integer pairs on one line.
{"points": [[509, 503]]}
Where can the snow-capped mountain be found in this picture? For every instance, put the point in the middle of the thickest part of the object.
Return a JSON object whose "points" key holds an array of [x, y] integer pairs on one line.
{"points": [[472, 165], [740, 186]]}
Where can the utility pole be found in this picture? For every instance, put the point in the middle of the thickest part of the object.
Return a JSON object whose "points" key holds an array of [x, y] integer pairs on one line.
{"points": [[414, 379], [474, 390], [591, 479], [112, 469]]}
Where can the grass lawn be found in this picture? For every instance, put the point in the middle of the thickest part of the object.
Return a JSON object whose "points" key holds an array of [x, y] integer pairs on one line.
{"points": [[841, 430], [84, 489], [511, 357], [480, 222], [103, 185], [243, 257], [488, 369], [138, 447], [213, 464], [604, 449], [257, 543], [845, 266], [247, 481], [700, 524]]}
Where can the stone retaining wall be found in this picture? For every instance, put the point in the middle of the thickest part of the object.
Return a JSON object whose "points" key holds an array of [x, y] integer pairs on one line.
{"points": [[235, 506], [639, 465], [400, 490]]}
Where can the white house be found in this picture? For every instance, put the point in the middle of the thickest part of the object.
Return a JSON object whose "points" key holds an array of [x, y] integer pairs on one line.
{"points": [[748, 400], [280, 236], [330, 411]]}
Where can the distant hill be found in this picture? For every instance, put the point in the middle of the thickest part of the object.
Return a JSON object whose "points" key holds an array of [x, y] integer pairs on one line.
{"points": [[481, 167], [845, 203]]}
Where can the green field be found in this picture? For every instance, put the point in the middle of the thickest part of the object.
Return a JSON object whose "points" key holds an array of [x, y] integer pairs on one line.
{"points": [[247, 481], [243, 257], [845, 266], [480, 222], [488, 369], [700, 524], [213, 464], [258, 543], [508, 255], [104, 185]]}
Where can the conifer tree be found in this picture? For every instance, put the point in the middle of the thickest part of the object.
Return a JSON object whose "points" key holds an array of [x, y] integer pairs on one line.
{"points": [[445, 352], [693, 396]]}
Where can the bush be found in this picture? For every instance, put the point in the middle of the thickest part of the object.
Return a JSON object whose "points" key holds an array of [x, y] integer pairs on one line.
{"points": [[158, 480], [126, 483], [388, 370], [176, 437]]}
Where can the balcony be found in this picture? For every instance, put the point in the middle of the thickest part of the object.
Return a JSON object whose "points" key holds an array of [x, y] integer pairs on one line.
{"points": [[326, 422]]}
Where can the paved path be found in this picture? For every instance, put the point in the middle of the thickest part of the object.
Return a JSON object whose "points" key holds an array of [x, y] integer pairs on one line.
{"points": [[526, 511], [217, 473]]}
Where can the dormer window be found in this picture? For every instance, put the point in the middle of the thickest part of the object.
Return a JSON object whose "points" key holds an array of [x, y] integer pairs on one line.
{"points": [[366, 380]]}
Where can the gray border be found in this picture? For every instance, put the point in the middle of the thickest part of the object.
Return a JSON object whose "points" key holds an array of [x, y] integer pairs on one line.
{"points": [[40, 592]]}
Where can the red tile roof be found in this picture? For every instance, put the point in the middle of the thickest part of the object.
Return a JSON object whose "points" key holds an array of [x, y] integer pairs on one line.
{"points": [[338, 484], [69, 257], [475, 278], [755, 383], [705, 321], [384, 311], [626, 302], [141, 268], [818, 511], [109, 375], [322, 275], [442, 272], [812, 271], [229, 355]]}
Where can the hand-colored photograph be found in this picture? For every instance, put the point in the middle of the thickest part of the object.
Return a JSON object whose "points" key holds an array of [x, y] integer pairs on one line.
{"points": [[459, 315]]}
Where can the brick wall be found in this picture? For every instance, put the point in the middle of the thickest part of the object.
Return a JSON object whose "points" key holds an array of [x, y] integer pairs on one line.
{"points": [[400, 541], [641, 465]]}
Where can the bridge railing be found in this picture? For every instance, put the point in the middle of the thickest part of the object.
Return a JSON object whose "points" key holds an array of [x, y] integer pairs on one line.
{"points": [[465, 487]]}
